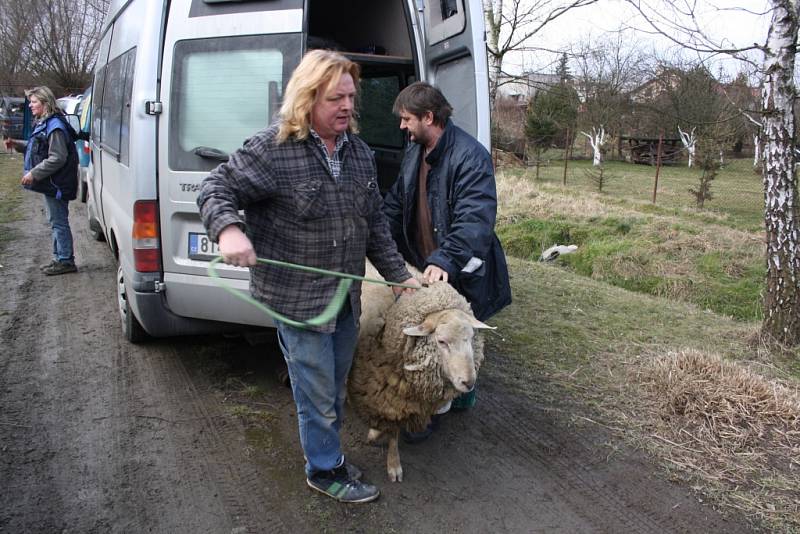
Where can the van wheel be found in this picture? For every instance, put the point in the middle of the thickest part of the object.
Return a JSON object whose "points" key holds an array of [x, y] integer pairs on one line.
{"points": [[96, 234], [83, 190], [95, 230], [130, 324]]}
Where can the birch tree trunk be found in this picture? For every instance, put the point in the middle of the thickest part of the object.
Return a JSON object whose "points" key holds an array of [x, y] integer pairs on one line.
{"points": [[756, 149], [596, 139], [690, 142], [782, 296], [493, 10]]}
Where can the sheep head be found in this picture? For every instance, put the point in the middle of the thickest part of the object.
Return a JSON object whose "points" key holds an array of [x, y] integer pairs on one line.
{"points": [[451, 331]]}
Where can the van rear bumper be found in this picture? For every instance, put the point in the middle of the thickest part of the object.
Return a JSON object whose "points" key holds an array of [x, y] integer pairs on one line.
{"points": [[191, 305], [159, 321]]}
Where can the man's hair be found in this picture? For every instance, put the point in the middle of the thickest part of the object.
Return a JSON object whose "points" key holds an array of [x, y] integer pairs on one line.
{"points": [[44, 95], [420, 98], [318, 71]]}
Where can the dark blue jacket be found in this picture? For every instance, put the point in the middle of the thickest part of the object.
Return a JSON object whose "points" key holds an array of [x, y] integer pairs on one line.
{"points": [[63, 183], [463, 203]]}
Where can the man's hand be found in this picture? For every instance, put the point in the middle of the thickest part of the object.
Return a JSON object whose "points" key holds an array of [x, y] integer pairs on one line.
{"points": [[27, 179], [434, 273], [8, 142], [235, 247], [410, 282]]}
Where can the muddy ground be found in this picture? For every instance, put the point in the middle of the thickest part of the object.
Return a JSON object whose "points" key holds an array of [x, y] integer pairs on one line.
{"points": [[194, 435]]}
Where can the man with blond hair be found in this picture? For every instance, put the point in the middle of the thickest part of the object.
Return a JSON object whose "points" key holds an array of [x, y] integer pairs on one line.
{"points": [[308, 187]]}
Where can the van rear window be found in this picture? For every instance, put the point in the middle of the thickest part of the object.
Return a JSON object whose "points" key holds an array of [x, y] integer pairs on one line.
{"points": [[203, 8], [224, 91]]}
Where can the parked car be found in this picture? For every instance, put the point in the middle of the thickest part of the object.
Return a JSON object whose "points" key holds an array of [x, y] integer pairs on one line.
{"points": [[84, 113], [12, 110]]}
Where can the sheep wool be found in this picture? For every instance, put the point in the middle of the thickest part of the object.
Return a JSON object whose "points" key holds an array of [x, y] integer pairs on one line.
{"points": [[381, 387]]}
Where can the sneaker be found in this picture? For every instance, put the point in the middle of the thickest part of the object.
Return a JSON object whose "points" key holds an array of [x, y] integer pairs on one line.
{"points": [[47, 265], [338, 485], [352, 471], [60, 267], [418, 437]]}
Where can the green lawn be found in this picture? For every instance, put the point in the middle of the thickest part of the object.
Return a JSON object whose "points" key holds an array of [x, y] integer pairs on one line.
{"points": [[712, 257], [738, 199]]}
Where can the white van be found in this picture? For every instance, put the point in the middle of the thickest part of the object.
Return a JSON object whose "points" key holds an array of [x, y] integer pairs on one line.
{"points": [[181, 84]]}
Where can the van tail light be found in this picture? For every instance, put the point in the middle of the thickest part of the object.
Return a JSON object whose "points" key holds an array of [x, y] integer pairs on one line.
{"points": [[86, 148], [146, 248]]}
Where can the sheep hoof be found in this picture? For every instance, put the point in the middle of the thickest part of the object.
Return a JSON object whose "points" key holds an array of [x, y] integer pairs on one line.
{"points": [[396, 474], [373, 435]]}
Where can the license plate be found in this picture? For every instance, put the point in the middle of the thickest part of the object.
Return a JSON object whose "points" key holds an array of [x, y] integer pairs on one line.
{"points": [[201, 247]]}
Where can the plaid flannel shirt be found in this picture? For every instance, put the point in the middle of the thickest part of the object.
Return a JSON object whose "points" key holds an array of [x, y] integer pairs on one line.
{"points": [[295, 211], [334, 160]]}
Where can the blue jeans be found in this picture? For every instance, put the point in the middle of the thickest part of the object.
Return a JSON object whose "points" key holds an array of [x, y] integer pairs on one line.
{"points": [[58, 215], [318, 367]]}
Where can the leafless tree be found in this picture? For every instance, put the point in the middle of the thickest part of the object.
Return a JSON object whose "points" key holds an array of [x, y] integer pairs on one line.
{"points": [[53, 42], [511, 25], [15, 32], [606, 72]]}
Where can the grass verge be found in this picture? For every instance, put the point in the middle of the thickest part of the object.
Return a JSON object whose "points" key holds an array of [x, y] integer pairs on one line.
{"points": [[687, 385], [10, 196]]}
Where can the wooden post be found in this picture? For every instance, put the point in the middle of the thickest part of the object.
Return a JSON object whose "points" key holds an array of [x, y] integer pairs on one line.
{"points": [[566, 156], [658, 164]]}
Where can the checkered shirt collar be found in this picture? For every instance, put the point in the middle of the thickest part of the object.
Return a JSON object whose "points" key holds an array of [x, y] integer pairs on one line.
{"points": [[334, 160]]}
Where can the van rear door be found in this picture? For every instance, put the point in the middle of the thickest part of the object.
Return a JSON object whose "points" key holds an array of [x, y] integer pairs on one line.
{"points": [[455, 60], [225, 65]]}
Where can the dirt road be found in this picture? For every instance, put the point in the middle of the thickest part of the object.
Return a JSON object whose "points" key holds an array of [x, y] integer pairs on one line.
{"points": [[195, 435]]}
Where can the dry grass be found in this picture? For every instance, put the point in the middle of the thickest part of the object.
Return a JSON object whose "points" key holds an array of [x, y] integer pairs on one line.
{"points": [[732, 431], [520, 197]]}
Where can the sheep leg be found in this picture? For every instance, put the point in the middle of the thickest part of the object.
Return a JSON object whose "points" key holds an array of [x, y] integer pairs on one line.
{"points": [[373, 435], [393, 466]]}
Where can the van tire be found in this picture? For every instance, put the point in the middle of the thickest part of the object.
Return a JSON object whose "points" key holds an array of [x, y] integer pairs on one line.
{"points": [[83, 190], [97, 235], [130, 324], [95, 230]]}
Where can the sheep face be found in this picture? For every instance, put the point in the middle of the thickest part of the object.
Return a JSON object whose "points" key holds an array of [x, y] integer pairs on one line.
{"points": [[452, 332]]}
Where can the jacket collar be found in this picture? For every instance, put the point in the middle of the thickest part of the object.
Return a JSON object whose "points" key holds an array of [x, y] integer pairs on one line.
{"points": [[441, 145]]}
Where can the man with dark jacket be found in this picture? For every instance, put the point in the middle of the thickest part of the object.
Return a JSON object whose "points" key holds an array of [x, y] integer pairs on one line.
{"points": [[442, 209]]}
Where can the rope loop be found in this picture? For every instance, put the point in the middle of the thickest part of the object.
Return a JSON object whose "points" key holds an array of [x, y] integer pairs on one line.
{"points": [[328, 314]]}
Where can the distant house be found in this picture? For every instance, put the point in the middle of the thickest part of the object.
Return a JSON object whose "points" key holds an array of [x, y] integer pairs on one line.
{"points": [[524, 88]]}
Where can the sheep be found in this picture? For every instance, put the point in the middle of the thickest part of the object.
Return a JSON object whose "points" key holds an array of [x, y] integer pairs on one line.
{"points": [[414, 354]]}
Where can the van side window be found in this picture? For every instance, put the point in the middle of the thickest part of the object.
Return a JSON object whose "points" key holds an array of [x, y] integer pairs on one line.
{"points": [[116, 108], [446, 22], [224, 91], [97, 102], [379, 126]]}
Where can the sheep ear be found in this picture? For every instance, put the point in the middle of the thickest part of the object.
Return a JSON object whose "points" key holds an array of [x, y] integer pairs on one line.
{"points": [[476, 324], [421, 330]]}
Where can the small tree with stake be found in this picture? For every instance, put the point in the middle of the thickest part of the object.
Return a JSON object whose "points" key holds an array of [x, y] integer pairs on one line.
{"points": [[540, 130], [710, 166], [598, 176]]}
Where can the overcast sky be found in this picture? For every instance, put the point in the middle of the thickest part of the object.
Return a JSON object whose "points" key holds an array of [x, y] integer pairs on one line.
{"points": [[734, 23]]}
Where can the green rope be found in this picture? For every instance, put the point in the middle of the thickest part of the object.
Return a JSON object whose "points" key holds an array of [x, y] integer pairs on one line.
{"points": [[328, 314]]}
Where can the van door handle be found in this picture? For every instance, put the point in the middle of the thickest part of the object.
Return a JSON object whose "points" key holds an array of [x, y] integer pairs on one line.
{"points": [[152, 107]]}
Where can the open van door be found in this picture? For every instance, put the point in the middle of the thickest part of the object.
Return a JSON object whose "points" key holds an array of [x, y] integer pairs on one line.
{"points": [[454, 60]]}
